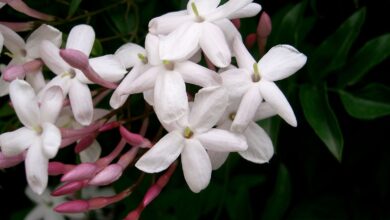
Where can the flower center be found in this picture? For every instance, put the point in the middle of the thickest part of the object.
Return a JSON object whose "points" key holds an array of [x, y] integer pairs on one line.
{"points": [[196, 12], [70, 74], [168, 65], [256, 73], [188, 133], [143, 58], [38, 129], [232, 116]]}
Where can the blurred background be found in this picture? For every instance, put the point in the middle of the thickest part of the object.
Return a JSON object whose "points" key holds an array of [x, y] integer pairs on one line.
{"points": [[334, 165]]}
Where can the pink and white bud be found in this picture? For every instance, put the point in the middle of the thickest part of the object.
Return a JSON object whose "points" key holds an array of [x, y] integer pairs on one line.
{"points": [[74, 206], [107, 176], [22, 7], [80, 172], [58, 168], [6, 162], [134, 139], [69, 188], [84, 143], [13, 72]]}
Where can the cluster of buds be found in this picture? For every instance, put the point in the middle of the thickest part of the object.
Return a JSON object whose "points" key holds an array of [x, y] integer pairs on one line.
{"points": [[203, 127]]}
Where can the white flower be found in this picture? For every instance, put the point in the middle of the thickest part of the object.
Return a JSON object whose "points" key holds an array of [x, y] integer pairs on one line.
{"points": [[255, 82], [166, 81], [191, 136], [198, 27], [40, 136], [1, 42], [45, 204]]}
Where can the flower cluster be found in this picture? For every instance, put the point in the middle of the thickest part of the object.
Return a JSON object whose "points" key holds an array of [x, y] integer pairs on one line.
{"points": [[202, 127]]}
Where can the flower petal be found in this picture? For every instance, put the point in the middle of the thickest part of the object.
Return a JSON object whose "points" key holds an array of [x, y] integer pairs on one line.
{"points": [[170, 96], [63, 82], [1, 42], [81, 38], [51, 104], [247, 11], [230, 31], [186, 37], [145, 80], [51, 140], [50, 54], [222, 141], [197, 74], [280, 62], [92, 153], [108, 67], [260, 148], [209, 105], [36, 165], [36, 80], [236, 81], [264, 111], [204, 7], [272, 94], [37, 213], [217, 158], [25, 103], [149, 96], [166, 23], [214, 45], [15, 142], [12, 41], [162, 154], [81, 102], [247, 109], [243, 57], [128, 54], [227, 9], [44, 32], [196, 165], [152, 43]]}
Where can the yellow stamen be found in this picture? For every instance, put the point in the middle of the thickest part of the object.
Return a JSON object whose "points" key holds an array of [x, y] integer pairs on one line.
{"points": [[188, 133], [143, 58], [256, 73], [195, 9], [9, 54], [232, 116], [168, 64]]}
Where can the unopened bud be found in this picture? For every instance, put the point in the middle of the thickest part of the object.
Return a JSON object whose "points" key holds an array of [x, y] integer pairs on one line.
{"points": [[80, 172], [74, 206], [108, 175]]}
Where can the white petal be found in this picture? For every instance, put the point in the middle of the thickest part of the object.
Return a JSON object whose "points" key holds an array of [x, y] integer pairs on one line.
{"points": [[204, 7], [165, 24], [36, 80], [4, 87], [51, 104], [249, 10], [36, 165], [237, 82], [149, 96], [280, 62], [170, 96], [1, 4], [25, 103], [12, 41], [222, 141], [50, 214], [214, 45], [81, 37], [272, 94], [230, 31], [63, 82], [196, 165], [128, 54], [152, 43], [92, 153], [162, 154], [108, 67], [145, 80], [243, 57], [1, 42], [264, 111], [81, 102], [186, 37], [122, 92], [217, 158], [227, 9], [197, 57], [209, 105], [247, 109], [44, 32], [36, 214], [260, 148], [15, 142], [51, 140], [197, 74], [50, 55]]}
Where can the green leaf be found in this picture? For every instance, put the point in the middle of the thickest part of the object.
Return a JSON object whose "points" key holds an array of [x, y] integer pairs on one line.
{"points": [[279, 200], [362, 106], [333, 52], [97, 48], [371, 54], [320, 116], [73, 6], [6, 110]]}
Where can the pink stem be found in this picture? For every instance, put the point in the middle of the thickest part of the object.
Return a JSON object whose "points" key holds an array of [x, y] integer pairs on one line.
{"points": [[19, 26], [20, 6]]}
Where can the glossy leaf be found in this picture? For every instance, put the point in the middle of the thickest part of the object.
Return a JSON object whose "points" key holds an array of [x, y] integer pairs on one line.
{"points": [[366, 106], [332, 53], [321, 118], [73, 6], [371, 54]]}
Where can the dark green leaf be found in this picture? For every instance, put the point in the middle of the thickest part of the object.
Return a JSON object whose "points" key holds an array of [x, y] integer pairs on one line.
{"points": [[97, 48], [332, 53], [6, 110], [318, 113], [279, 201], [371, 54], [73, 6], [364, 107]]}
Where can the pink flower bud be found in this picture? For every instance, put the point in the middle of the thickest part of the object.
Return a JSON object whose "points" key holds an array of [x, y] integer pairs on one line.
{"points": [[84, 143], [80, 172], [237, 23], [264, 26], [6, 162], [19, 26], [69, 188], [20, 6], [250, 40], [134, 139], [57, 168], [74, 206], [108, 175], [109, 126], [13, 72]]}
